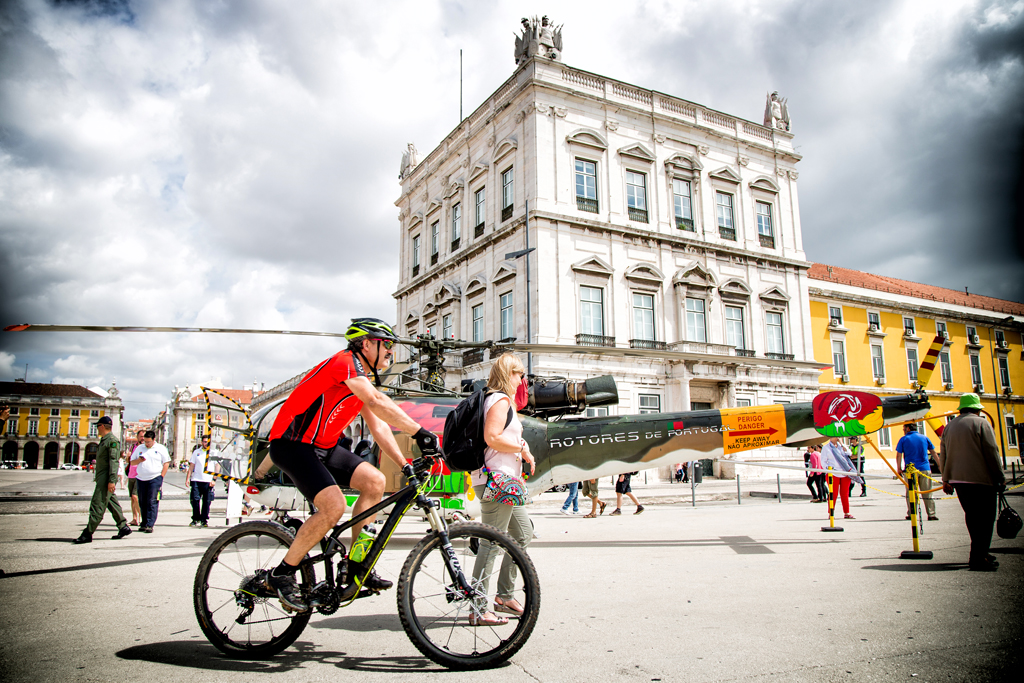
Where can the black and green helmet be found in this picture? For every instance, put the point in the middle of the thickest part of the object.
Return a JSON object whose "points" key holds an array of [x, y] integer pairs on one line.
{"points": [[370, 328]]}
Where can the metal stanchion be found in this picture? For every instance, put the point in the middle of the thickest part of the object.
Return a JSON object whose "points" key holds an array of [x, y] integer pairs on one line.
{"points": [[831, 505], [778, 483], [693, 491], [739, 496], [916, 553]]}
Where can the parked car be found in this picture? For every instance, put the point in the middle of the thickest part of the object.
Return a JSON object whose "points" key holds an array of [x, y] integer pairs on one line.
{"points": [[70, 466]]}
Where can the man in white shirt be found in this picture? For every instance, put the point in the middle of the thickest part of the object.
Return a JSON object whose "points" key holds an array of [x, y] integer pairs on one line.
{"points": [[151, 463], [201, 484]]}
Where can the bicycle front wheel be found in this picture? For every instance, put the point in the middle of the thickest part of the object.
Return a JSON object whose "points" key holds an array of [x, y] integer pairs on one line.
{"points": [[236, 611], [438, 616]]}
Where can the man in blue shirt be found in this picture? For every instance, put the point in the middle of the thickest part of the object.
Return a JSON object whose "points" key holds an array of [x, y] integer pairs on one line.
{"points": [[914, 449]]}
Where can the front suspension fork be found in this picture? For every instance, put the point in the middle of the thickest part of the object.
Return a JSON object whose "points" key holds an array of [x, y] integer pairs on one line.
{"points": [[451, 561]]}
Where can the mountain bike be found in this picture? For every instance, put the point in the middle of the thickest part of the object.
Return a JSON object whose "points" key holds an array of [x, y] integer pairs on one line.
{"points": [[443, 587]]}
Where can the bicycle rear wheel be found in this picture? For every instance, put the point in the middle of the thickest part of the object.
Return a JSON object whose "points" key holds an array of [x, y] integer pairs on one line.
{"points": [[236, 612], [436, 615]]}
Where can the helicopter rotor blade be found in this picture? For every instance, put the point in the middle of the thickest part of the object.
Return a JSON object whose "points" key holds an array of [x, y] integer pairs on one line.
{"points": [[115, 328]]}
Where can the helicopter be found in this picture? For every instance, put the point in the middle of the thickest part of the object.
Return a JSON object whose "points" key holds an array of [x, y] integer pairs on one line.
{"points": [[565, 450]]}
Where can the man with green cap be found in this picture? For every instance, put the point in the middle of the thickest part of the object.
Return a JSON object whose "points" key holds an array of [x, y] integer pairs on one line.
{"points": [[103, 497], [970, 466]]}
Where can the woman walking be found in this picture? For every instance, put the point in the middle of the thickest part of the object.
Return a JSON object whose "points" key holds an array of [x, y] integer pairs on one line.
{"points": [[505, 453], [836, 456]]}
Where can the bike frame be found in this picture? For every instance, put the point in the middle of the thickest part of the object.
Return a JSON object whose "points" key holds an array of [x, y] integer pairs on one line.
{"points": [[403, 500]]}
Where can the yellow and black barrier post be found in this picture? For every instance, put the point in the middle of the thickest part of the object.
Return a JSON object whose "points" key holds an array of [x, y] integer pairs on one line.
{"points": [[831, 505], [916, 553]]}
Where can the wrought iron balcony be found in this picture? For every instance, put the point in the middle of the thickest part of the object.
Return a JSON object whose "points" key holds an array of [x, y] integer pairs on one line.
{"points": [[506, 213], [455, 243], [745, 353], [767, 241], [594, 340], [472, 356], [638, 215], [415, 270], [779, 356], [685, 224], [478, 231], [433, 259], [585, 204], [648, 344], [727, 233]]}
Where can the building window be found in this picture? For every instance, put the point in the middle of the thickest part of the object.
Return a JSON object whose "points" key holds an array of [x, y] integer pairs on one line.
{"points": [[415, 255], [883, 438], [435, 234], [507, 194], [975, 369], [35, 411], [200, 416], [478, 322], [683, 207], [944, 368], [446, 327], [1000, 339], [764, 225], [643, 316], [874, 321], [1004, 373], [505, 305], [93, 432], [912, 364], [200, 429], [734, 332], [726, 225], [940, 330], [92, 413], [776, 340], [72, 429], [592, 311], [696, 330], [456, 226], [636, 196], [54, 427], [838, 359], [743, 403], [12, 427], [74, 412], [1011, 431], [597, 412], [650, 403], [480, 207], [877, 362], [972, 335], [835, 315], [33, 427], [586, 186], [54, 412], [909, 328], [432, 330]]}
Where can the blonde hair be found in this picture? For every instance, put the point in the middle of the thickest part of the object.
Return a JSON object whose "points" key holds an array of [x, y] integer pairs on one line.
{"points": [[500, 379]]}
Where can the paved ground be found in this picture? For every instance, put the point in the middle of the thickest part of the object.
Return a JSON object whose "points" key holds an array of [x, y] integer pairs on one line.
{"points": [[720, 592]]}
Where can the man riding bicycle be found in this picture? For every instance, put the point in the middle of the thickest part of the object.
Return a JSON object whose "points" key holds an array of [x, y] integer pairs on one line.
{"points": [[304, 438]]}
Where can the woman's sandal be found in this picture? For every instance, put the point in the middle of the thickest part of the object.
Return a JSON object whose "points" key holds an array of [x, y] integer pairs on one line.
{"points": [[503, 607], [603, 506], [590, 516], [484, 620]]}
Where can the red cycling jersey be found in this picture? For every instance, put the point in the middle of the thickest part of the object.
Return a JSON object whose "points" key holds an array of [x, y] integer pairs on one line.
{"points": [[322, 405]]}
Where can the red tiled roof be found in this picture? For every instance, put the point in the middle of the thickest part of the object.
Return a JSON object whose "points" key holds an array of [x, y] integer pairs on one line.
{"points": [[243, 396], [882, 283], [32, 389]]}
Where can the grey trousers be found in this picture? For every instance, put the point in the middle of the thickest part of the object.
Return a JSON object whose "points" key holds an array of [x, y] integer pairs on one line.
{"points": [[516, 521]]}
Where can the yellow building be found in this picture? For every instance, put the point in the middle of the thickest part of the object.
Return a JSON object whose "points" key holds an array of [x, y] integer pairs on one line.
{"points": [[877, 330]]}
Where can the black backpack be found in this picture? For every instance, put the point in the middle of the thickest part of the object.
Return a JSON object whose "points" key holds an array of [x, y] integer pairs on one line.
{"points": [[464, 433]]}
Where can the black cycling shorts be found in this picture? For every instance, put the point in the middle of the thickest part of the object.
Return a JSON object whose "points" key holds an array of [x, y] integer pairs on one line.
{"points": [[312, 469]]}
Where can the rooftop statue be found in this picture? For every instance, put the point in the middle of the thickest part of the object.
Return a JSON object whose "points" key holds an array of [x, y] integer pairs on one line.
{"points": [[776, 113], [410, 160], [540, 37]]}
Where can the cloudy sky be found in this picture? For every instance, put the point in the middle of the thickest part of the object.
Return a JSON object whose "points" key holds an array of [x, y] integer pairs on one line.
{"points": [[234, 164]]}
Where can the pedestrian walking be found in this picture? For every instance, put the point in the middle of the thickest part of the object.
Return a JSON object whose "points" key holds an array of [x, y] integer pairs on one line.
{"points": [[969, 459], [103, 496], [574, 499], [812, 477], [200, 483], [133, 492], [151, 463], [622, 488], [914, 449], [589, 489], [837, 456], [857, 456], [506, 453]]}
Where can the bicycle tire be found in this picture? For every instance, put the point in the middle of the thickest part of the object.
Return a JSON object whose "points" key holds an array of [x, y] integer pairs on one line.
{"points": [[428, 616], [216, 577]]}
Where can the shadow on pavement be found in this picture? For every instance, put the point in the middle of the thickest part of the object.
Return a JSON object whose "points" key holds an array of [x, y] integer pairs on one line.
{"points": [[911, 567], [362, 622], [1007, 551], [97, 565], [195, 654]]}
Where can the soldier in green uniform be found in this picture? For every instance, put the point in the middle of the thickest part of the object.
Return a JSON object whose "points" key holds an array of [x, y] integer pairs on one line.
{"points": [[103, 497]]}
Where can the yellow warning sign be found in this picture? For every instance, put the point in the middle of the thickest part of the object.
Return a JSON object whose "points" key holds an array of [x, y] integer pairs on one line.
{"points": [[746, 429]]}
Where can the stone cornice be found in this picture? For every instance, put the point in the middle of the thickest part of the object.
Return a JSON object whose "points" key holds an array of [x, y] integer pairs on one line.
{"points": [[886, 304]]}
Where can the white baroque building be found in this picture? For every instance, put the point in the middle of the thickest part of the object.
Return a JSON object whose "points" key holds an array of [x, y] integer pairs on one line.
{"points": [[658, 224]]}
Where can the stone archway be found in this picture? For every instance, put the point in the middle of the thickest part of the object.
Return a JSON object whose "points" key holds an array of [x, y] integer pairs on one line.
{"points": [[90, 453], [51, 456], [71, 452], [10, 450], [31, 456]]}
